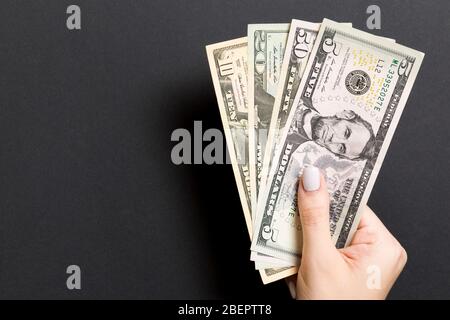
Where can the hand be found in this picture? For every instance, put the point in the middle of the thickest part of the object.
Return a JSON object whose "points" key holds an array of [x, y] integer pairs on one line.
{"points": [[366, 269]]}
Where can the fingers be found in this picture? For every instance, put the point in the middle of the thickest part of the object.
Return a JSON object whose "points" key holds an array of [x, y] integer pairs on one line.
{"points": [[292, 285], [369, 229], [369, 219], [313, 204]]}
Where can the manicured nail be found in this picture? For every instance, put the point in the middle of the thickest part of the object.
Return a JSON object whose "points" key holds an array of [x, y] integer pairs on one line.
{"points": [[311, 178], [291, 286]]}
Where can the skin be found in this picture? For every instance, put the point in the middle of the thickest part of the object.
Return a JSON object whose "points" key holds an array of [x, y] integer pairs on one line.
{"points": [[329, 273]]}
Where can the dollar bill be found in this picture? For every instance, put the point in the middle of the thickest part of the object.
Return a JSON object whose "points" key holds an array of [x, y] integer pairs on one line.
{"points": [[265, 56], [301, 38], [228, 65], [229, 72], [267, 63], [272, 264], [299, 43], [266, 260], [342, 120]]}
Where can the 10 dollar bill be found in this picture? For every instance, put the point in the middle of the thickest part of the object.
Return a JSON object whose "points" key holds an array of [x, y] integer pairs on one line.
{"points": [[228, 66]]}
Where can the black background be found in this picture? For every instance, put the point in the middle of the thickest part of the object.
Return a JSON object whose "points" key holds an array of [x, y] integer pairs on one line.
{"points": [[86, 175]]}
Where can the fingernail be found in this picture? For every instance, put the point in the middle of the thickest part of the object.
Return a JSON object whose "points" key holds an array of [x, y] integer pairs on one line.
{"points": [[291, 286], [311, 178]]}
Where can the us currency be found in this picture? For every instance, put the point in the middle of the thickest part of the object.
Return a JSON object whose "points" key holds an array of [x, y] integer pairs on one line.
{"points": [[265, 53], [301, 38], [265, 56], [228, 66], [263, 261], [343, 117], [270, 263], [300, 41], [298, 47]]}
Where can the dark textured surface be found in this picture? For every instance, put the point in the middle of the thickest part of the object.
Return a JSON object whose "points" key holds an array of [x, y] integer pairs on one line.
{"points": [[86, 176]]}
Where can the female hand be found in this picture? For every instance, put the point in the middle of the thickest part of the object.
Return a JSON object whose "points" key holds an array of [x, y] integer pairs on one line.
{"points": [[366, 269]]}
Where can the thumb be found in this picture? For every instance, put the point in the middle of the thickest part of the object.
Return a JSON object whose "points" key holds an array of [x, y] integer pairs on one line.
{"points": [[313, 205]]}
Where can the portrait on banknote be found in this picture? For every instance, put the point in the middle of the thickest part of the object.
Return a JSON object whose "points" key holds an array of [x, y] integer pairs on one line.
{"points": [[264, 104], [338, 144], [345, 134]]}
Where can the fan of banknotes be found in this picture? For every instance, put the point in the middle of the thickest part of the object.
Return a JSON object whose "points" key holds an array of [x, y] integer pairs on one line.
{"points": [[307, 94]]}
